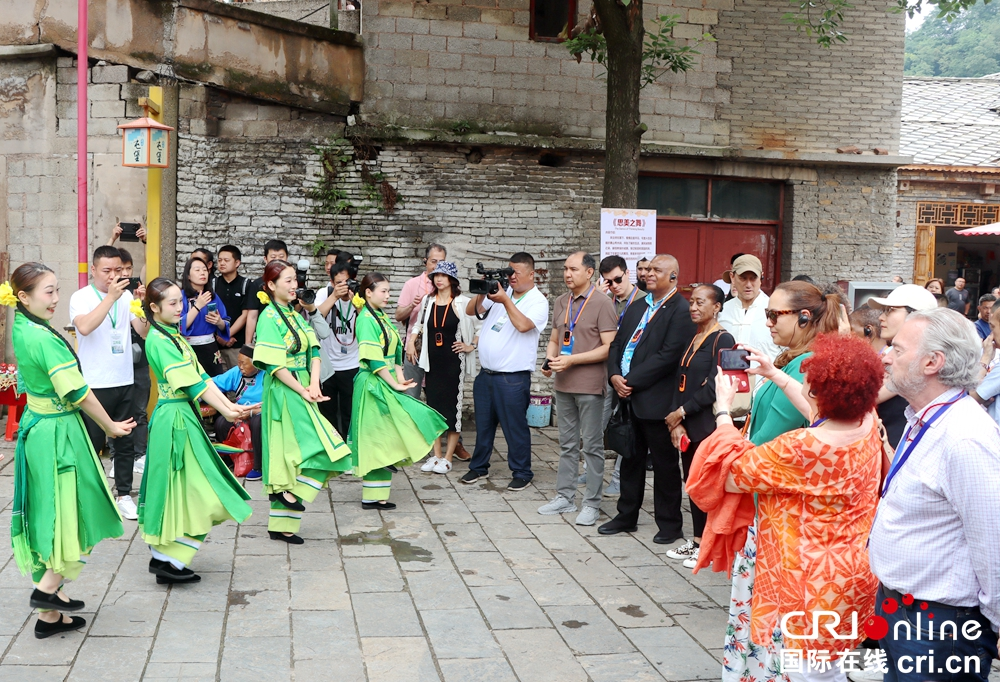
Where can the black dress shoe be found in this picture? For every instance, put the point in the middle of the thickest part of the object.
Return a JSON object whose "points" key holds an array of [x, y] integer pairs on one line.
{"points": [[43, 629], [377, 505], [280, 499], [170, 574], [290, 539], [662, 539], [614, 527], [44, 600]]}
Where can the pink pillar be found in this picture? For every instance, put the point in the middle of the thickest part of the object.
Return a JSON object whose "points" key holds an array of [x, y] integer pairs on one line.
{"points": [[82, 39]]}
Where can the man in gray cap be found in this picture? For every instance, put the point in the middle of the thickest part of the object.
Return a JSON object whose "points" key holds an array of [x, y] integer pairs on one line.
{"points": [[743, 315]]}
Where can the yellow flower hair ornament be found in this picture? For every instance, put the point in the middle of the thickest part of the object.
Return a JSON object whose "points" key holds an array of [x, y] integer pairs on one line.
{"points": [[263, 298], [135, 307], [357, 301], [7, 296]]}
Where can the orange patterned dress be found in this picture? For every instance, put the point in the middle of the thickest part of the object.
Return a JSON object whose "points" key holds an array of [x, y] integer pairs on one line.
{"points": [[816, 503]]}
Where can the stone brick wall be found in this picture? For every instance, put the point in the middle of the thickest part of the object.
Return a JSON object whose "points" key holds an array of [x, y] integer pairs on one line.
{"points": [[788, 92], [842, 226]]}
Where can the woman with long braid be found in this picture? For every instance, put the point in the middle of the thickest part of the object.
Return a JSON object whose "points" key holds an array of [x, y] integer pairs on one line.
{"points": [[301, 449], [186, 488], [62, 505], [388, 427]]}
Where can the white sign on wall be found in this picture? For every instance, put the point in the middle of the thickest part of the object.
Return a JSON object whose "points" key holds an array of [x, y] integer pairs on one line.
{"points": [[629, 233]]}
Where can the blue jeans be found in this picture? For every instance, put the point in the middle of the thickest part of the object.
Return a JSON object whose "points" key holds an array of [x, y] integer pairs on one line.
{"points": [[918, 660], [502, 399]]}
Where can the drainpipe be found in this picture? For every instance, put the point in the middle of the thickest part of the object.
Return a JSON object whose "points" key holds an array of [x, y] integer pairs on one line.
{"points": [[81, 142]]}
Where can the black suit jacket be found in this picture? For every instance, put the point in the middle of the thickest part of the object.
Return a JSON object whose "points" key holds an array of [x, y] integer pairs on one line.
{"points": [[654, 362]]}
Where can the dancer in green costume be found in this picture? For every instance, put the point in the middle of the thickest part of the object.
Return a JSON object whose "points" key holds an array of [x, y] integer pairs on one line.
{"points": [[388, 427], [62, 505], [186, 488], [301, 449]]}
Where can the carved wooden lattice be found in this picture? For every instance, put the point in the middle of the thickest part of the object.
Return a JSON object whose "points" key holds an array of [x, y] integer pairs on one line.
{"points": [[945, 214]]}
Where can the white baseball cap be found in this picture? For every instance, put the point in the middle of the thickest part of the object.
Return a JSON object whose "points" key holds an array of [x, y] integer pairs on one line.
{"points": [[910, 295]]}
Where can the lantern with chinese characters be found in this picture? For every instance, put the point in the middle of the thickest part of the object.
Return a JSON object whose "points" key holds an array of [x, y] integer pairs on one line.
{"points": [[145, 144]]}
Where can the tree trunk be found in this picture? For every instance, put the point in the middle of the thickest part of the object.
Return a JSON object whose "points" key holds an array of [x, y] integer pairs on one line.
{"points": [[624, 32]]}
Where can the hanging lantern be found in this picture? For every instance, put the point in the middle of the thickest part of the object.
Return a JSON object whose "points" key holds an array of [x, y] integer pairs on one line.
{"points": [[145, 144]]}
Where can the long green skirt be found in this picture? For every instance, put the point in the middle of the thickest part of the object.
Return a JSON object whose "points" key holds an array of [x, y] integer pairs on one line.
{"points": [[296, 436], [68, 507], [186, 487], [388, 427]]}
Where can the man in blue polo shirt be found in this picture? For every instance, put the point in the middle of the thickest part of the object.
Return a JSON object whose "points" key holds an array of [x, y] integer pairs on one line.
{"points": [[247, 382]]}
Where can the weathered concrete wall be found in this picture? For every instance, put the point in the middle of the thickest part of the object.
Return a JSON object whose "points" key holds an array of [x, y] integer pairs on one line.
{"points": [[38, 161], [207, 41], [315, 12], [786, 91]]}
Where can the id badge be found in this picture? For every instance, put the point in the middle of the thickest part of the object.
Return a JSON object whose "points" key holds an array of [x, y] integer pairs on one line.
{"points": [[343, 350], [117, 343], [499, 324], [567, 344]]}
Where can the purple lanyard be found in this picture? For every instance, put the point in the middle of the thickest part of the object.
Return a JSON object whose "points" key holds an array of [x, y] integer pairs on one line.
{"points": [[902, 455]]}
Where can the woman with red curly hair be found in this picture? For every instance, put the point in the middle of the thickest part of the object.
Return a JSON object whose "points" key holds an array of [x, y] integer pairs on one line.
{"points": [[817, 489]]}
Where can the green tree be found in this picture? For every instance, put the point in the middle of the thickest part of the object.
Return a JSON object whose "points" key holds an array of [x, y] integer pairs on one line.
{"points": [[967, 47]]}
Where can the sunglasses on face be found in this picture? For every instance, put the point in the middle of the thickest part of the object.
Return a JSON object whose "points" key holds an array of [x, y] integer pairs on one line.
{"points": [[615, 280], [773, 315]]}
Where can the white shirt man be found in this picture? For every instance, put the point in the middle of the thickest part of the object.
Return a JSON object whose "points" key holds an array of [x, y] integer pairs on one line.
{"points": [[743, 315], [103, 320], [340, 347]]}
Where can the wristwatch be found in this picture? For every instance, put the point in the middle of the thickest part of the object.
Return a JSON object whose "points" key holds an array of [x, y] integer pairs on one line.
{"points": [[683, 412], [721, 413]]}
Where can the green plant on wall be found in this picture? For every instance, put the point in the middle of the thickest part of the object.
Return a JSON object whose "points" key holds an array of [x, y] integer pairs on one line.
{"points": [[317, 248], [330, 197], [329, 193]]}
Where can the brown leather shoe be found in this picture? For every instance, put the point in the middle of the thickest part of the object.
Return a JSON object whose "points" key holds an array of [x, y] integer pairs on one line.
{"points": [[462, 454]]}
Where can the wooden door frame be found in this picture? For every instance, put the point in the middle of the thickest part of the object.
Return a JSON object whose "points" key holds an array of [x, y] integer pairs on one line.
{"points": [[932, 215]]}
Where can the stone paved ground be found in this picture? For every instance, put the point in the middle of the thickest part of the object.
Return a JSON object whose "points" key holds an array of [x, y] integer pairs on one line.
{"points": [[459, 583]]}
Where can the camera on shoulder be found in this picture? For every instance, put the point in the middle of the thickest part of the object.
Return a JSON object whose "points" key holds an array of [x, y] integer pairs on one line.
{"points": [[492, 280]]}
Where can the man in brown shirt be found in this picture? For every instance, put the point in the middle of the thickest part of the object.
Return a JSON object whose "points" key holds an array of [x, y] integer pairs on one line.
{"points": [[583, 326]]}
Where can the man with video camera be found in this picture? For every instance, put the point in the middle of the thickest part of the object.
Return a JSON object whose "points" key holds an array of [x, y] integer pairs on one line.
{"points": [[515, 314]]}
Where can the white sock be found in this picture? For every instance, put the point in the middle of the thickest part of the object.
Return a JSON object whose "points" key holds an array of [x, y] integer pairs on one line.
{"points": [[160, 556]]}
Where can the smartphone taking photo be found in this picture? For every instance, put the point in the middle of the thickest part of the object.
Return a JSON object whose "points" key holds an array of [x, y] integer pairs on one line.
{"points": [[735, 363]]}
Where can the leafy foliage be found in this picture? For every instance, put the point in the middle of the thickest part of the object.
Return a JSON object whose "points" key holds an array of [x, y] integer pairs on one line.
{"points": [[966, 47], [660, 52], [825, 18]]}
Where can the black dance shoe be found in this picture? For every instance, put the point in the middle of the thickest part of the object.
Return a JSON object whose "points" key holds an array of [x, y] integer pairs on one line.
{"points": [[280, 499], [44, 600], [165, 572], [43, 629], [290, 539], [376, 505]]}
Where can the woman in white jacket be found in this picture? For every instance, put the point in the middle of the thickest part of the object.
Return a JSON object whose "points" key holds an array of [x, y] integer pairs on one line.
{"points": [[446, 354]]}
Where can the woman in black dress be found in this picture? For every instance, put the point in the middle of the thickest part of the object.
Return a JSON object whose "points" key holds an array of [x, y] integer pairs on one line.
{"points": [[694, 394], [445, 354]]}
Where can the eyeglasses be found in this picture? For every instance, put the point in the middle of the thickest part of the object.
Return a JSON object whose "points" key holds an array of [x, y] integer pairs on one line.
{"points": [[773, 315], [615, 280]]}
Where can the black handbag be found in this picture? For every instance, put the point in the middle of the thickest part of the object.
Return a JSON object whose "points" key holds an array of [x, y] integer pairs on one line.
{"points": [[619, 435]]}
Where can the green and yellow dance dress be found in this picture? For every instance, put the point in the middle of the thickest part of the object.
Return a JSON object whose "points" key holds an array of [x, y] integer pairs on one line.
{"points": [[186, 488], [62, 505], [301, 449], [388, 428]]}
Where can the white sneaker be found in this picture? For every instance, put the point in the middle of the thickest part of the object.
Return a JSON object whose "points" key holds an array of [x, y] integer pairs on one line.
{"points": [[559, 505], [588, 516], [430, 463], [685, 551], [865, 675], [442, 466], [693, 561], [140, 465], [127, 507]]}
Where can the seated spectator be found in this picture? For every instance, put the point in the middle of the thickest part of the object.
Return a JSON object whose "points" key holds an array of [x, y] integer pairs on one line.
{"points": [[203, 316], [247, 383]]}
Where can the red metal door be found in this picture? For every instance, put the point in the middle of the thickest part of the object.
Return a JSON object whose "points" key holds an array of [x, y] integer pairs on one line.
{"points": [[704, 248]]}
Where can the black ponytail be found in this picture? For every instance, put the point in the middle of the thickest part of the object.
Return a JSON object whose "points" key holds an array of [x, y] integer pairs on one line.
{"points": [[297, 343], [39, 321], [385, 332]]}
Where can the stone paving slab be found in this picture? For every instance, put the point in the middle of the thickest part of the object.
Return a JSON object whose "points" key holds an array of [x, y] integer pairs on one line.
{"points": [[460, 582]]}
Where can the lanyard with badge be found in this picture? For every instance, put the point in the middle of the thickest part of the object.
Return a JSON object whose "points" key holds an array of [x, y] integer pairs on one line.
{"points": [[689, 354], [498, 325], [570, 324], [117, 337], [903, 452], [347, 326], [631, 298]]}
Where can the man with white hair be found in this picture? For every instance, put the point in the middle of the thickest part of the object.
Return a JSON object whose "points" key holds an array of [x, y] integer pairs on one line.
{"points": [[934, 545]]}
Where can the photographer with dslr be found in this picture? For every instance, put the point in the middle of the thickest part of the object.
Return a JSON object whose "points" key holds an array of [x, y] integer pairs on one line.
{"points": [[508, 352], [341, 348]]}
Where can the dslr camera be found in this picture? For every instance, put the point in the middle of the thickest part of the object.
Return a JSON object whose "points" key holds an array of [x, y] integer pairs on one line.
{"points": [[492, 280], [303, 294]]}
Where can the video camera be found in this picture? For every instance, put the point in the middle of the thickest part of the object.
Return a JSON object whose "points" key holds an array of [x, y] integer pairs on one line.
{"points": [[304, 295], [492, 281]]}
